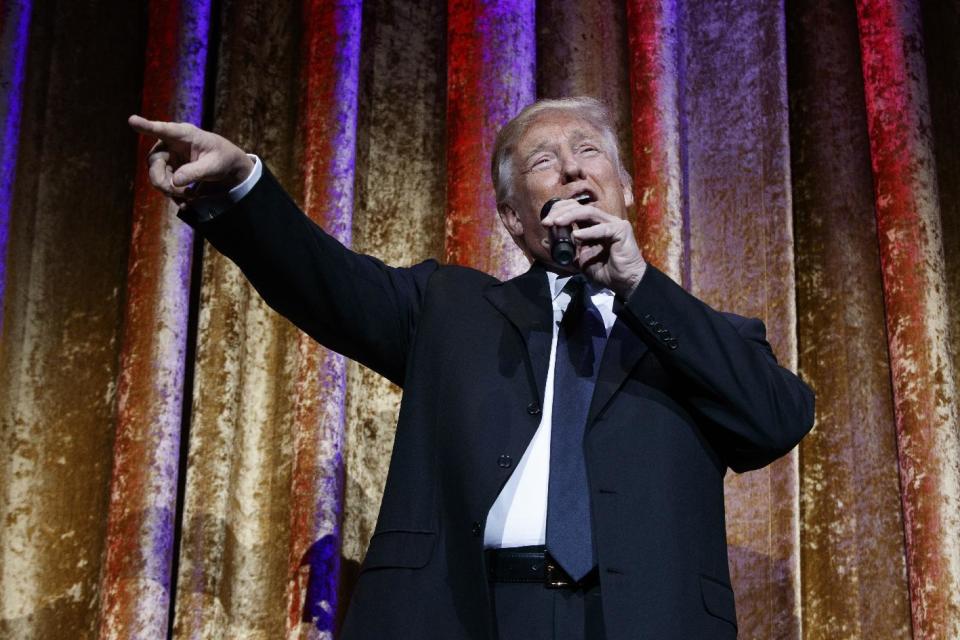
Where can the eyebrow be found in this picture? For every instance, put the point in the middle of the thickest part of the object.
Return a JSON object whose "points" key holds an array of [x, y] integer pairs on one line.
{"points": [[578, 135], [537, 149]]}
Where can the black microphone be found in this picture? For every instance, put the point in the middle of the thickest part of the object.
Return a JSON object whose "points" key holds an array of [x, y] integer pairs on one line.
{"points": [[562, 249]]}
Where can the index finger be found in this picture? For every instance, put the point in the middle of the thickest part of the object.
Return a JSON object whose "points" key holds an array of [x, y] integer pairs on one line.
{"points": [[163, 130], [568, 211]]}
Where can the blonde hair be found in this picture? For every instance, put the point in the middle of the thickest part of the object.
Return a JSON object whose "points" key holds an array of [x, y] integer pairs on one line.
{"points": [[585, 107]]}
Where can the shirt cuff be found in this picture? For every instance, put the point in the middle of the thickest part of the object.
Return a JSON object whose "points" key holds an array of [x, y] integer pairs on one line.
{"points": [[206, 209]]}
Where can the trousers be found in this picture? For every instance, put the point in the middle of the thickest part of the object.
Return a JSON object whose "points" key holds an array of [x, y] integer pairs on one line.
{"points": [[531, 611]]}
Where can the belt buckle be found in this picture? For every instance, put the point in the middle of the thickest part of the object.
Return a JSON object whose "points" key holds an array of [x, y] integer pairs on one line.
{"points": [[555, 577]]}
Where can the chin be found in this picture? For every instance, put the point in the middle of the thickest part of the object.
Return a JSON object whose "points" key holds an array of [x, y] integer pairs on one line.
{"points": [[569, 269]]}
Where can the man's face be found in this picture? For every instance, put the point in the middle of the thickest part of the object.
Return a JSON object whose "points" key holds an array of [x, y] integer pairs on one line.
{"points": [[559, 156]]}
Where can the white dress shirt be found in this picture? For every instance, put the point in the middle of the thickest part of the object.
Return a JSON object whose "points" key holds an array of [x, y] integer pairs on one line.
{"points": [[518, 517]]}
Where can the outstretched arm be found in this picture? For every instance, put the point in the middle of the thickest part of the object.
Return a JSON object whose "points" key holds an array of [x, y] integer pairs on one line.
{"points": [[351, 303]]}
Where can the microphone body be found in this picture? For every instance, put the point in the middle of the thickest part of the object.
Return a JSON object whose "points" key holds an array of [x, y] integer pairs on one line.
{"points": [[562, 249]]}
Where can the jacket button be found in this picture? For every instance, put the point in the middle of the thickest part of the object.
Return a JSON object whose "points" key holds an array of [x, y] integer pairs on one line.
{"points": [[533, 408], [475, 529], [671, 343], [504, 461]]}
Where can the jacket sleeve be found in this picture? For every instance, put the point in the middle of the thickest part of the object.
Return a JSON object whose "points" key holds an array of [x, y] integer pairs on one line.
{"points": [[752, 409], [351, 303]]}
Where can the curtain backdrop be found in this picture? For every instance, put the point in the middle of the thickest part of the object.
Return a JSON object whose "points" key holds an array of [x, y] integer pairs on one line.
{"points": [[178, 461]]}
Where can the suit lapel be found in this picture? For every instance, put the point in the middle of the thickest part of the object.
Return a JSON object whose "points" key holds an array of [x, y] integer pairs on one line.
{"points": [[525, 301], [624, 349]]}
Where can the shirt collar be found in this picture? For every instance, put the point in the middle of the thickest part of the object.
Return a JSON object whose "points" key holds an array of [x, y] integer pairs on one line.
{"points": [[557, 283]]}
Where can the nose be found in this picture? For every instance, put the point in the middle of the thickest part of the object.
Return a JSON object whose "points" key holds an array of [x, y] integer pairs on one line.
{"points": [[570, 168]]}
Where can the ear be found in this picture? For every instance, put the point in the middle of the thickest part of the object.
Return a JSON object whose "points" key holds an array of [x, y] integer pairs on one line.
{"points": [[627, 194], [510, 219]]}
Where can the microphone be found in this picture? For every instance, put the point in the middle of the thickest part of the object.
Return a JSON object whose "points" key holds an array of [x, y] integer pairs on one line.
{"points": [[562, 249]]}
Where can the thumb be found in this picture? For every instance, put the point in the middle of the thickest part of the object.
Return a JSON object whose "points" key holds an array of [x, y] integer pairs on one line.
{"points": [[206, 168]]}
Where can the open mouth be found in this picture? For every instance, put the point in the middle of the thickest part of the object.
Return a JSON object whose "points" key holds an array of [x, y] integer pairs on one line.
{"points": [[584, 196]]}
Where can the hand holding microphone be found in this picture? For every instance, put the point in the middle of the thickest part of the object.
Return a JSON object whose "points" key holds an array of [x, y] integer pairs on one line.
{"points": [[562, 249], [602, 245]]}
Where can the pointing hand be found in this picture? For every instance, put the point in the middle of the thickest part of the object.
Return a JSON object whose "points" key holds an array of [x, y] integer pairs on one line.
{"points": [[188, 162]]}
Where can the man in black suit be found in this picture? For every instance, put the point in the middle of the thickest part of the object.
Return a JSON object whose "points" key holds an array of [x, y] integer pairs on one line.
{"points": [[563, 436]]}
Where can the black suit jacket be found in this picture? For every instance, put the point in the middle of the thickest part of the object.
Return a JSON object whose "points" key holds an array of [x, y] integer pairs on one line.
{"points": [[683, 393]]}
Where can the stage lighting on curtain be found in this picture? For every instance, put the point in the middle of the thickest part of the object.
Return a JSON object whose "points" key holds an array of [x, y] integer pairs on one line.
{"points": [[490, 77], [136, 578]]}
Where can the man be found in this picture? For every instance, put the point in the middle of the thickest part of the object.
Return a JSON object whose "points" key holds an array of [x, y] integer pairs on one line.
{"points": [[563, 436]]}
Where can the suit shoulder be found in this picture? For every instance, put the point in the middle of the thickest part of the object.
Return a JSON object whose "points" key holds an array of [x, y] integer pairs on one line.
{"points": [[452, 275], [736, 319], [748, 323]]}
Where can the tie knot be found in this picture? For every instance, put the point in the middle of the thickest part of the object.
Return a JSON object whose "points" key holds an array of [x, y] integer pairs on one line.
{"points": [[575, 286], [580, 304]]}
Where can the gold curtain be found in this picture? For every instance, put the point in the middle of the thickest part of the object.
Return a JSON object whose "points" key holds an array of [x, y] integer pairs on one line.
{"points": [[179, 461]]}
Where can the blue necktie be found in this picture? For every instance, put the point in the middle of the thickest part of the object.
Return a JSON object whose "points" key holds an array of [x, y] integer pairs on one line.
{"points": [[580, 342]]}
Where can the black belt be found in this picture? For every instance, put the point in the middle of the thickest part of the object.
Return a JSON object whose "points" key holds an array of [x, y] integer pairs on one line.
{"points": [[532, 564]]}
